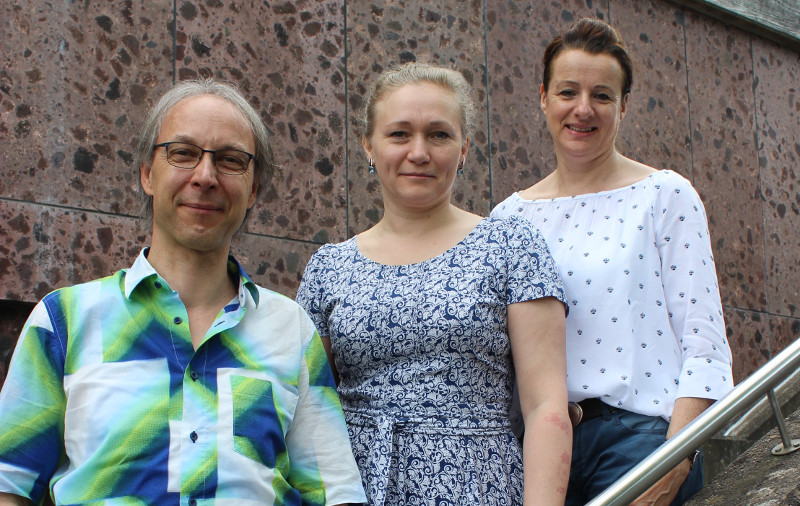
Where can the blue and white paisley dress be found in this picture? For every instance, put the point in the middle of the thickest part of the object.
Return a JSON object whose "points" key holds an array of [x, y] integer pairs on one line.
{"points": [[425, 363]]}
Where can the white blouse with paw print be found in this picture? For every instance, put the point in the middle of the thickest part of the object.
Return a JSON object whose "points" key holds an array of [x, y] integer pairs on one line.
{"points": [[645, 321]]}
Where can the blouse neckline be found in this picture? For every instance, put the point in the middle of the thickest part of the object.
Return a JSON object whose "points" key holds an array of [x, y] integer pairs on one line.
{"points": [[603, 193]]}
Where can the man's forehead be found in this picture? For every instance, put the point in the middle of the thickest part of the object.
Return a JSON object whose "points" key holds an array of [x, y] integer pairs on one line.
{"points": [[199, 114], [202, 104]]}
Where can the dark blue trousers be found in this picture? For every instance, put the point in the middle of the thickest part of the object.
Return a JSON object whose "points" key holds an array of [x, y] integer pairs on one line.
{"points": [[608, 446]]}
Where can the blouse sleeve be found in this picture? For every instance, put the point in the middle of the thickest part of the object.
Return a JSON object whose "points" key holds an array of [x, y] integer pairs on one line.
{"points": [[531, 271], [311, 293], [692, 294]]}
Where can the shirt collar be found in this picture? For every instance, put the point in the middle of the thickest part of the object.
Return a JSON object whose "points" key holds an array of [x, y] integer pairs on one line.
{"points": [[141, 270]]}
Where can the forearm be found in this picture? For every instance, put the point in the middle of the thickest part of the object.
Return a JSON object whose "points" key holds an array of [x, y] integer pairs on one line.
{"points": [[547, 454], [13, 500], [686, 409], [664, 490]]}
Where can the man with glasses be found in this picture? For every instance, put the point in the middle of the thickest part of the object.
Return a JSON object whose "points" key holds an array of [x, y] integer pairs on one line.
{"points": [[178, 381]]}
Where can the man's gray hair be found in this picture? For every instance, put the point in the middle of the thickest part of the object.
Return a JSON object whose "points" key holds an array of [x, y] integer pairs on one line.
{"points": [[264, 161]]}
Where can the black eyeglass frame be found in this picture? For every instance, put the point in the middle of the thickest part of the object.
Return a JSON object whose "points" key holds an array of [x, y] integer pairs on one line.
{"points": [[213, 152]]}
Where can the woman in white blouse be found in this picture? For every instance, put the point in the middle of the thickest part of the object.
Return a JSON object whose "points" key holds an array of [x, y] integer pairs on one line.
{"points": [[646, 346]]}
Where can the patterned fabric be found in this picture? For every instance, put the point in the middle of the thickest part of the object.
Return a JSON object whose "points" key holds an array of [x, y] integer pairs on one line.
{"points": [[645, 324], [107, 400], [425, 361]]}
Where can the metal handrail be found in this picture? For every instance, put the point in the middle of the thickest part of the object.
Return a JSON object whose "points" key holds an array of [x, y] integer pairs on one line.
{"points": [[702, 428]]}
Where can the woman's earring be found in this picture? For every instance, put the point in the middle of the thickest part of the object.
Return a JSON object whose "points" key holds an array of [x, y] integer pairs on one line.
{"points": [[371, 167], [461, 168]]}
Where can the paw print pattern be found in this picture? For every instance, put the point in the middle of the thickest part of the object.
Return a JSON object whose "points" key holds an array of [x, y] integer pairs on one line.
{"points": [[637, 264]]}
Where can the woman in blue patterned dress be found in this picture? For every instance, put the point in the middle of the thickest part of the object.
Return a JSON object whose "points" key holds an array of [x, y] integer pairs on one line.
{"points": [[428, 314]]}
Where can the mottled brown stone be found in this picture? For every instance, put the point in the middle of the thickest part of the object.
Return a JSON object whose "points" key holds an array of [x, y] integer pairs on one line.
{"points": [[726, 172]]}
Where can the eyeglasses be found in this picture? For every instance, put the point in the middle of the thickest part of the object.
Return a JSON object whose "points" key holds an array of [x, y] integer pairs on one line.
{"points": [[187, 156]]}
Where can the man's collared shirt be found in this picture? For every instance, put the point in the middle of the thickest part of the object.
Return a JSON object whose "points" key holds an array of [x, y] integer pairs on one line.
{"points": [[106, 399]]}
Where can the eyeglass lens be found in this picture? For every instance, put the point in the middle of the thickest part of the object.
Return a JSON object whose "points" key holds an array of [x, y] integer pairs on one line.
{"points": [[187, 156]]}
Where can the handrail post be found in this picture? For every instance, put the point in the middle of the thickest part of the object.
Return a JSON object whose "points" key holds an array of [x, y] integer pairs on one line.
{"points": [[788, 445]]}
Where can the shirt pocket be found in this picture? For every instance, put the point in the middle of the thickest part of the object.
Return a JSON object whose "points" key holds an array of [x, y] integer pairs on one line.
{"points": [[260, 421]]}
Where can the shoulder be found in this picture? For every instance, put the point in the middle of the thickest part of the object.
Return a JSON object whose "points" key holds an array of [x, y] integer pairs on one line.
{"points": [[99, 291], [668, 179], [672, 188], [63, 309], [512, 227], [506, 207], [513, 236], [330, 259], [273, 301], [273, 305]]}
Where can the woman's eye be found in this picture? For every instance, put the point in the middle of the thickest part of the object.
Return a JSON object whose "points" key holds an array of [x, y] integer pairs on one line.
{"points": [[441, 135], [398, 134], [567, 93], [603, 96]]}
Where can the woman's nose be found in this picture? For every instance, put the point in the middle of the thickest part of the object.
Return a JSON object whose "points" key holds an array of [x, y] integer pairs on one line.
{"points": [[418, 150]]}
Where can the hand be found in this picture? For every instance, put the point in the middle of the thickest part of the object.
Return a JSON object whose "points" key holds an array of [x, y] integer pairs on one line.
{"points": [[664, 490]]}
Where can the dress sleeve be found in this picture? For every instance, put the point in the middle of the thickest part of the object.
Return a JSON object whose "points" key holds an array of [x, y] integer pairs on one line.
{"points": [[322, 465], [32, 404], [531, 271], [691, 291], [311, 292]]}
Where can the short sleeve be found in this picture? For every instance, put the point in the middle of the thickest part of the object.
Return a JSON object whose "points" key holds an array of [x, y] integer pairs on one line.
{"points": [[323, 468], [32, 404], [310, 294], [530, 269]]}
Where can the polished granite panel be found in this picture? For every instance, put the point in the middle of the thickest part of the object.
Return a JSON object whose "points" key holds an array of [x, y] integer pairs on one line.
{"points": [[655, 130], [76, 79], [726, 173], [43, 248], [750, 339], [783, 332], [777, 72], [383, 33], [517, 34], [286, 57]]}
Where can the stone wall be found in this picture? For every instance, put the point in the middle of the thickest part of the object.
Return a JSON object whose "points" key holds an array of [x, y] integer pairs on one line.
{"points": [[716, 104]]}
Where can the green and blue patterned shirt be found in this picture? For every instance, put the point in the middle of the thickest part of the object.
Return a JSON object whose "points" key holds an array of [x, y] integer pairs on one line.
{"points": [[107, 401]]}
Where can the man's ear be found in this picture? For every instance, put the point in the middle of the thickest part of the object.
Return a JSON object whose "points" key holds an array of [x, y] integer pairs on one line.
{"points": [[251, 199], [144, 177]]}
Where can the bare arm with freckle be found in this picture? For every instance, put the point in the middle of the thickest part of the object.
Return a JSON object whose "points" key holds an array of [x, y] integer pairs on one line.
{"points": [[537, 331]]}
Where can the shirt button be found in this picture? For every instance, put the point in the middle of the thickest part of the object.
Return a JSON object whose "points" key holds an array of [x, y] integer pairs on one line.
{"points": [[157, 285], [177, 320], [194, 375], [193, 436], [192, 502]]}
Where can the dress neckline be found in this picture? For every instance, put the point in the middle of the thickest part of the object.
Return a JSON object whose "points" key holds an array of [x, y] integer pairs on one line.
{"points": [[472, 232]]}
